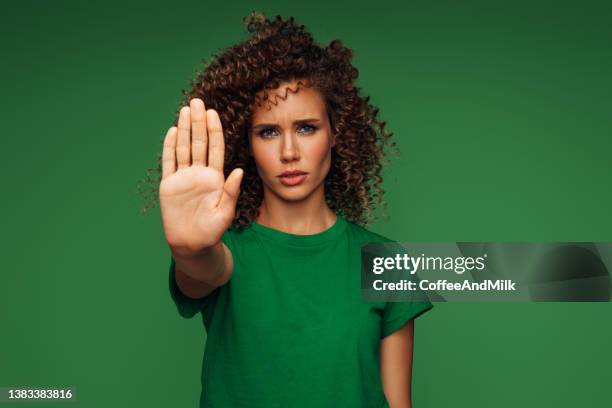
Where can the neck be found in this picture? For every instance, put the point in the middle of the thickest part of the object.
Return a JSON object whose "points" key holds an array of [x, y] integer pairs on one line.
{"points": [[304, 217]]}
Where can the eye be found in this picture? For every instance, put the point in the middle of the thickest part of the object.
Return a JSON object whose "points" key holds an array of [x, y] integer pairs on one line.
{"points": [[270, 132], [307, 129], [267, 133]]}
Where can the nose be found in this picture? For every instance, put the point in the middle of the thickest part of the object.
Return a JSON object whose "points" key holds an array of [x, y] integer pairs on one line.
{"points": [[289, 148]]}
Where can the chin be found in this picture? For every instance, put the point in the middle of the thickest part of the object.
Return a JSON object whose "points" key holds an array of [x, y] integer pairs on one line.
{"points": [[294, 194]]}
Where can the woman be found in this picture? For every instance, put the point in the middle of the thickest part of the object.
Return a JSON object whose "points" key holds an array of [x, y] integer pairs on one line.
{"points": [[273, 166]]}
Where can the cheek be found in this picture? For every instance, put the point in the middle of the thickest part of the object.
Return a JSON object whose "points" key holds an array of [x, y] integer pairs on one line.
{"points": [[264, 157], [320, 151]]}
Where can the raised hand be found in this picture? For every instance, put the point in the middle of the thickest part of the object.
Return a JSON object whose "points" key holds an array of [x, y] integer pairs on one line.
{"points": [[197, 203]]}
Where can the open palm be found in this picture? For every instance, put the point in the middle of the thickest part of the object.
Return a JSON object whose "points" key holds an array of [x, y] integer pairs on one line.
{"points": [[197, 203]]}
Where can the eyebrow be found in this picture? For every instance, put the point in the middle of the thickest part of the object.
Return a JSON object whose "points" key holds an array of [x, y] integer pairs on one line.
{"points": [[295, 122]]}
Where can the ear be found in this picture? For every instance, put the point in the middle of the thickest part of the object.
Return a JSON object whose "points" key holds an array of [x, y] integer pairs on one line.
{"points": [[333, 139]]}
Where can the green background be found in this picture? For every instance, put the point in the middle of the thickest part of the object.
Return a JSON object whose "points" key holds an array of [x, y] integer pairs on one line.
{"points": [[502, 112]]}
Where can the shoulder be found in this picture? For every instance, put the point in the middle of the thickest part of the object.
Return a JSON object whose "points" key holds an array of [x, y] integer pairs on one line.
{"points": [[364, 234], [232, 236]]}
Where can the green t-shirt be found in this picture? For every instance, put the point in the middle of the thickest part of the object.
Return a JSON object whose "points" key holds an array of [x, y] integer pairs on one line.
{"points": [[289, 329]]}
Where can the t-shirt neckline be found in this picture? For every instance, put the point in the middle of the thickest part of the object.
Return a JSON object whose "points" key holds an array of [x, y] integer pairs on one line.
{"points": [[327, 235]]}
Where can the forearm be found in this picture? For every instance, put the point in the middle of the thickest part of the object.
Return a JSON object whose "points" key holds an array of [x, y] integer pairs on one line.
{"points": [[211, 266]]}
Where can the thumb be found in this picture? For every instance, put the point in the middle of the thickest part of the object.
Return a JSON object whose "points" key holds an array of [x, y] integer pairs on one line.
{"points": [[231, 189]]}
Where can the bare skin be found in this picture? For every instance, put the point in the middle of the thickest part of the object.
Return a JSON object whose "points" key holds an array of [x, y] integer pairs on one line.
{"points": [[396, 366], [198, 204], [295, 134]]}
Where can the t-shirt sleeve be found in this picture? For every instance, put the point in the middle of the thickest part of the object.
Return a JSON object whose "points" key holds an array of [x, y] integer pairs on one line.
{"points": [[397, 314], [186, 306]]}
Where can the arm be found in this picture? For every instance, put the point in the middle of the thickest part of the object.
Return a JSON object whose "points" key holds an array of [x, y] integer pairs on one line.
{"points": [[198, 275], [396, 366], [197, 202]]}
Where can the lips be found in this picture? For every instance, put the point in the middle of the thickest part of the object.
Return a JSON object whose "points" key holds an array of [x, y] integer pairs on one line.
{"points": [[292, 173], [292, 178]]}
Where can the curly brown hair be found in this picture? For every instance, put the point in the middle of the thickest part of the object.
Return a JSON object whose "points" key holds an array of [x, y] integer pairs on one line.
{"points": [[280, 50]]}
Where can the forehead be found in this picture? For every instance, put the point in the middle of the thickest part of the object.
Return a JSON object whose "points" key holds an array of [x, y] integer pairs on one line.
{"points": [[290, 101]]}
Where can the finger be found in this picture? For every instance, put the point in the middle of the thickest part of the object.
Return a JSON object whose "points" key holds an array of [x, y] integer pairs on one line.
{"points": [[199, 138], [169, 153], [183, 146], [216, 147], [231, 190]]}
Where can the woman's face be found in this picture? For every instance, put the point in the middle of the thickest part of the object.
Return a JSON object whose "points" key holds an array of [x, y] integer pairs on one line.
{"points": [[293, 135]]}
